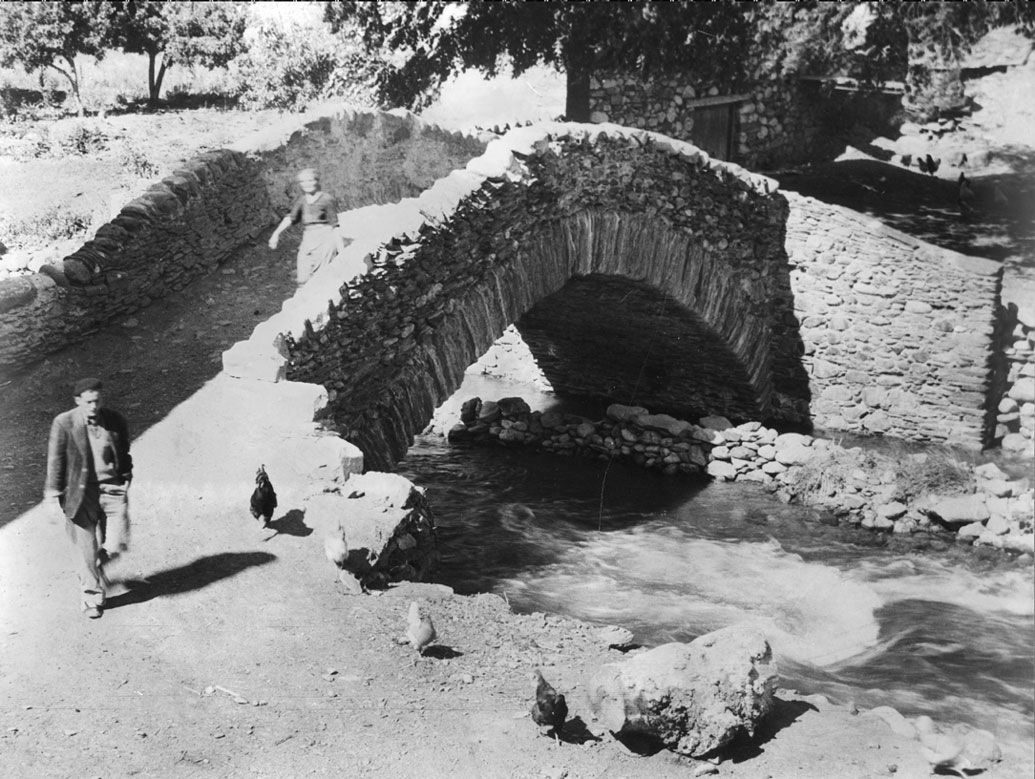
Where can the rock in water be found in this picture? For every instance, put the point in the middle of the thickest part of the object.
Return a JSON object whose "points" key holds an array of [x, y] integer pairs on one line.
{"points": [[693, 697]]}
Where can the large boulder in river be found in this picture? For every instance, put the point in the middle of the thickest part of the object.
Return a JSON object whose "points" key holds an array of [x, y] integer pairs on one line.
{"points": [[386, 523], [693, 697]]}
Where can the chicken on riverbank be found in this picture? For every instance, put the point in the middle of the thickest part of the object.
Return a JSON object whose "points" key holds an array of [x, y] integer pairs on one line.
{"points": [[959, 750], [550, 709], [420, 630], [965, 196], [928, 164], [336, 548]]}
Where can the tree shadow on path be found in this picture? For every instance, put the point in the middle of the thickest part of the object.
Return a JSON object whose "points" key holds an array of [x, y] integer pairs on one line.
{"points": [[193, 576]]}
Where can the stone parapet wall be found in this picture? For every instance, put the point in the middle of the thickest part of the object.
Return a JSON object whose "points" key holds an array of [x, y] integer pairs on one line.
{"points": [[363, 157], [897, 335], [180, 228], [197, 217]]}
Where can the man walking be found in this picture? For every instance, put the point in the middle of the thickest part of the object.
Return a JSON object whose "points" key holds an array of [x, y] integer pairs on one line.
{"points": [[89, 470]]}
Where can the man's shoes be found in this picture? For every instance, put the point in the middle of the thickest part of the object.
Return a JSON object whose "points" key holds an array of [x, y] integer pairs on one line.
{"points": [[93, 612]]}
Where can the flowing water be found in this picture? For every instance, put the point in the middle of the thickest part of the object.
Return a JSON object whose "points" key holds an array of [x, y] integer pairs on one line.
{"points": [[945, 631]]}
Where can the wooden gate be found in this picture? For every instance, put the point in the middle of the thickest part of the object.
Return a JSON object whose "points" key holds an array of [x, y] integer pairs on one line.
{"points": [[715, 122]]}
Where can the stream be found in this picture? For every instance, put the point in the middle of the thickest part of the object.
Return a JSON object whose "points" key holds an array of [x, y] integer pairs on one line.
{"points": [[946, 631]]}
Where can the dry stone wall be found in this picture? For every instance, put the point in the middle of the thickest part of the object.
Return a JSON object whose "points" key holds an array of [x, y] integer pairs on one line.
{"points": [[182, 227], [1015, 414], [197, 217], [897, 335]]}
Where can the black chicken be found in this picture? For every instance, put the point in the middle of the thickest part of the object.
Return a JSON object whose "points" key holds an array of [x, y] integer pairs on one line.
{"points": [[966, 197], [928, 165], [550, 709], [264, 499]]}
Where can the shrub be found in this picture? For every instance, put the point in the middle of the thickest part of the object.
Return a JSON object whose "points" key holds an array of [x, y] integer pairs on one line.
{"points": [[291, 66], [77, 137], [938, 471], [53, 224], [137, 161]]}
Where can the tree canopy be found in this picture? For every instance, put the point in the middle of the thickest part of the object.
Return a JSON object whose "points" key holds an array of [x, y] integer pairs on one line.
{"points": [[721, 43], [51, 34], [38, 35], [186, 33]]}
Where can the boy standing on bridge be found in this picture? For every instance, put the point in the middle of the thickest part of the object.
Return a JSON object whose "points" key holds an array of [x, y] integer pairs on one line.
{"points": [[318, 213]]}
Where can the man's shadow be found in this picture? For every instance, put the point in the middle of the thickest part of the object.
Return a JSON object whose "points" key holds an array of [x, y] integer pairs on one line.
{"points": [[193, 576]]}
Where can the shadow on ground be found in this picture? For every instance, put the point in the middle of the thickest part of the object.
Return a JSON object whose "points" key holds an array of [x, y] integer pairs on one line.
{"points": [[291, 524], [193, 576], [783, 715]]}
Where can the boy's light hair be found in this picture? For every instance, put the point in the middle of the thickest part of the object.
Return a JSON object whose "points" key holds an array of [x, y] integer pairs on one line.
{"points": [[308, 173]]}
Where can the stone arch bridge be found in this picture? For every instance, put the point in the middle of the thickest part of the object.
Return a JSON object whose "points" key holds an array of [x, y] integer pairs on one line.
{"points": [[639, 271]]}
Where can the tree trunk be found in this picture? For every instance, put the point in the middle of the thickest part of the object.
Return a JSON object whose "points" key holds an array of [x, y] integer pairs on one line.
{"points": [[73, 79], [576, 105], [154, 83]]}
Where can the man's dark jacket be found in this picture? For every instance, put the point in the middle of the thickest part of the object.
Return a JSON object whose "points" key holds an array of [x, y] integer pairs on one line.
{"points": [[70, 461]]}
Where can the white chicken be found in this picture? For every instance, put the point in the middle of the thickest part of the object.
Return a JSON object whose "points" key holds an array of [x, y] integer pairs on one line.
{"points": [[420, 630], [336, 548], [959, 750]]}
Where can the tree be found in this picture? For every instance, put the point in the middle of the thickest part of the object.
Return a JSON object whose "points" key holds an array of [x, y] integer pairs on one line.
{"points": [[721, 43], [183, 33], [441, 38], [50, 35]]}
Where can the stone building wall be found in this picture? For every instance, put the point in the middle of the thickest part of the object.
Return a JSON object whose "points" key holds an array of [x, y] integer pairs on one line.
{"points": [[197, 217], [775, 122]]}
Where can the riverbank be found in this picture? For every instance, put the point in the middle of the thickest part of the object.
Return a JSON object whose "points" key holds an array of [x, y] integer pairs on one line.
{"points": [[230, 648], [935, 493]]}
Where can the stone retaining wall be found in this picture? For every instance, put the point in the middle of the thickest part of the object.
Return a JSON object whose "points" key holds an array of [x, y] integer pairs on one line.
{"points": [[1015, 414], [194, 219], [857, 487], [897, 334]]}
